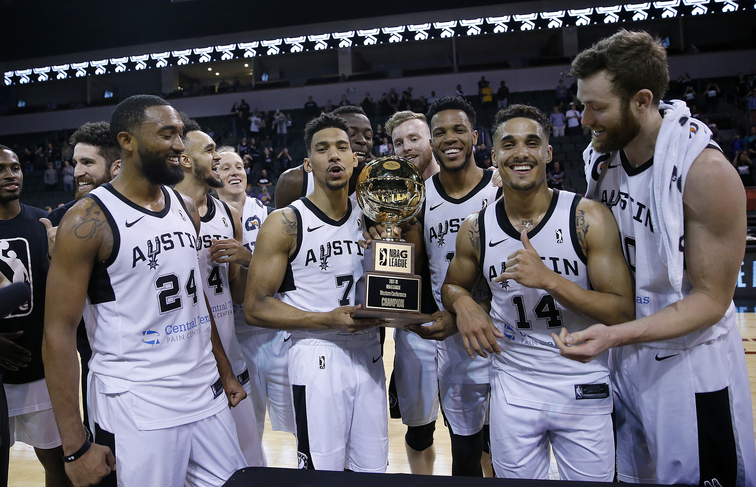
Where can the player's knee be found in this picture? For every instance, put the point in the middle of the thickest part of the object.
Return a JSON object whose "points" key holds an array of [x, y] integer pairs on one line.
{"points": [[486, 439], [466, 454], [420, 438]]}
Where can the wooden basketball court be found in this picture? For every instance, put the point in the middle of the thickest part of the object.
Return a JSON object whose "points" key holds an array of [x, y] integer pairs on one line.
{"points": [[26, 471]]}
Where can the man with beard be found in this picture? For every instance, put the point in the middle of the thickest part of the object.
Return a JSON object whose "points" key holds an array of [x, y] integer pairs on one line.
{"points": [[457, 190], [682, 402], [97, 159], [264, 350], [129, 246], [415, 373], [308, 254], [295, 183], [23, 258], [223, 263], [545, 270]]}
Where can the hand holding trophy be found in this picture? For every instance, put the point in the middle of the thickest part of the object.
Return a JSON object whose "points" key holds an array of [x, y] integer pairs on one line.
{"points": [[390, 192]]}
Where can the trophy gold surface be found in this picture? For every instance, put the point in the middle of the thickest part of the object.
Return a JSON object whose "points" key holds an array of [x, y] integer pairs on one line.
{"points": [[391, 192]]}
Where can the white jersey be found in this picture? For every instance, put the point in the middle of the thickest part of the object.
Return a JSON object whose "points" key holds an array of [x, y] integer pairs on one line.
{"points": [[327, 265], [150, 327], [218, 224], [537, 375], [442, 218], [628, 192], [253, 215]]}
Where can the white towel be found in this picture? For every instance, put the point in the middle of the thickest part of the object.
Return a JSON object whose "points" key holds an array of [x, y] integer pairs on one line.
{"points": [[680, 141]]}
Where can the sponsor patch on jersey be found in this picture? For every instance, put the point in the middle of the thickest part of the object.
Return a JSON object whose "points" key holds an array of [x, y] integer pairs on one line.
{"points": [[591, 391], [150, 337]]}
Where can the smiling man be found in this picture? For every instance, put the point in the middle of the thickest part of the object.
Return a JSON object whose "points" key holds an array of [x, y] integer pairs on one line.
{"points": [[550, 258], [265, 351], [682, 400], [297, 182], [308, 254], [457, 190], [223, 263], [158, 368]]}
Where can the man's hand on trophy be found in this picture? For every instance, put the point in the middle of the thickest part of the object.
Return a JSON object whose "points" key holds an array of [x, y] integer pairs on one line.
{"points": [[378, 232]]}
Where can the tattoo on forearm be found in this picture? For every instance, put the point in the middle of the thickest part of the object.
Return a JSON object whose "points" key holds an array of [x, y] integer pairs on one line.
{"points": [[289, 225], [91, 223], [581, 227], [475, 235]]}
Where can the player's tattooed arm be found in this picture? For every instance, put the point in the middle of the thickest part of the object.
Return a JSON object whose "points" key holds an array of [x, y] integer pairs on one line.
{"points": [[474, 236], [288, 222], [581, 229], [90, 224]]}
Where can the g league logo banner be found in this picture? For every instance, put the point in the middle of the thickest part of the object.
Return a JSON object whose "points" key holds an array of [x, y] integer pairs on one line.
{"points": [[15, 266], [393, 258]]}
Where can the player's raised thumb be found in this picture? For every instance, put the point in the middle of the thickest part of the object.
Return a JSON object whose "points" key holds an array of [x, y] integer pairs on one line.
{"points": [[526, 241], [47, 223]]}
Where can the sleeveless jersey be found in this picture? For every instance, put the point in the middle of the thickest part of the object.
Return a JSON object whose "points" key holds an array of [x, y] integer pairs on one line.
{"points": [[442, 218], [326, 266], [538, 375], [253, 216], [218, 224], [628, 192], [150, 327], [23, 258], [308, 183]]}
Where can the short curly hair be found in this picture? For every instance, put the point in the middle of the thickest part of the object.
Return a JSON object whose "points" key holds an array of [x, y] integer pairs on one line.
{"points": [[97, 134], [324, 121], [521, 111], [451, 103]]}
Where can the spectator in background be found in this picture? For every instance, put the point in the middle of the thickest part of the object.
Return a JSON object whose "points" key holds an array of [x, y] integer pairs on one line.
{"points": [[558, 120], [393, 99], [555, 176], [481, 152], [52, 154], [311, 108], [383, 149], [344, 102], [243, 112], [573, 120], [285, 158], [264, 196], [66, 153], [689, 95], [712, 97], [68, 177], [27, 160], [502, 95], [751, 103], [744, 165], [255, 123], [51, 178], [368, 105], [742, 87], [459, 91], [562, 94], [281, 123], [264, 182], [483, 83], [328, 107], [384, 105], [267, 143], [750, 143], [243, 148], [737, 144], [267, 158]]}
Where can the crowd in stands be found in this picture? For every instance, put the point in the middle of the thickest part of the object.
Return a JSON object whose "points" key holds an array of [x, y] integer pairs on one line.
{"points": [[269, 141]]}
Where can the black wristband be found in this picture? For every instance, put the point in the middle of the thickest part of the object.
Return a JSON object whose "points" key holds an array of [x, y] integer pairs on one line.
{"points": [[79, 453]]}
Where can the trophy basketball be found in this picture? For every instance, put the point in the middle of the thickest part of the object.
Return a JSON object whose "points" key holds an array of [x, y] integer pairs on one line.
{"points": [[390, 192]]}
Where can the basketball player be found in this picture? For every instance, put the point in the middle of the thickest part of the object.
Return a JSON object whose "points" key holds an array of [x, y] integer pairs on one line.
{"points": [[308, 252], [551, 259], [97, 161], [222, 262], [295, 183], [682, 400], [156, 398], [264, 350], [457, 190], [23, 258], [415, 370]]}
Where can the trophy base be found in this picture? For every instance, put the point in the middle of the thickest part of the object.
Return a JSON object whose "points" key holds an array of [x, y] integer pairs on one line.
{"points": [[394, 319]]}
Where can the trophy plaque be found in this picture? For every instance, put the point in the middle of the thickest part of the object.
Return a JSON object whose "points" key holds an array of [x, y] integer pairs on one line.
{"points": [[390, 192]]}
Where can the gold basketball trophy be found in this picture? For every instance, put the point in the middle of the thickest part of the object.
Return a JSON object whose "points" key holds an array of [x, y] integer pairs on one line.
{"points": [[390, 192]]}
